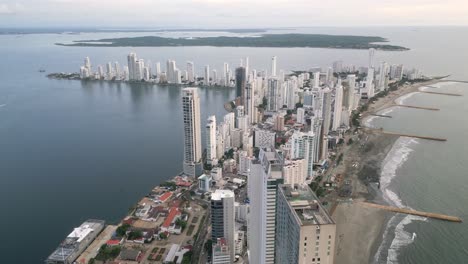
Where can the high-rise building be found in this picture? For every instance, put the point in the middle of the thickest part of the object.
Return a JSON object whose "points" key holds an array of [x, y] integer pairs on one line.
{"points": [[221, 252], [132, 60], [338, 66], [326, 110], [351, 92], [226, 77], [241, 82], [207, 75], [305, 232], [87, 64], [158, 69], [370, 83], [211, 140], [316, 79], [338, 107], [223, 218], [371, 57], [117, 71], [300, 116], [192, 136], [295, 171], [303, 147], [273, 66], [249, 102], [264, 177], [396, 72], [273, 95], [190, 72]]}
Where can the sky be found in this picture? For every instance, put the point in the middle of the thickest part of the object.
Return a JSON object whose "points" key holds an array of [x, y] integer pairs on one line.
{"points": [[231, 13]]}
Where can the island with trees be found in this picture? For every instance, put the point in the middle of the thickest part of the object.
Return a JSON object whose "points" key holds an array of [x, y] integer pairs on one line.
{"points": [[266, 40]]}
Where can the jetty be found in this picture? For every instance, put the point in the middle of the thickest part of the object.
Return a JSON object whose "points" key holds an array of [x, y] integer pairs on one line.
{"points": [[386, 116], [413, 212], [408, 135], [418, 107], [440, 93]]}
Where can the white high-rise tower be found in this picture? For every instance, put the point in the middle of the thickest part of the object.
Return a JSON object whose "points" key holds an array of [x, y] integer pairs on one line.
{"points": [[192, 135], [223, 218], [337, 111], [211, 139], [273, 66]]}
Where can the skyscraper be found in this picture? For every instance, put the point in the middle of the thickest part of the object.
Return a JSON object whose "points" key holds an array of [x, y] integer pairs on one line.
{"points": [[351, 91], [190, 71], [211, 139], [241, 82], [371, 57], [305, 232], [222, 218], [264, 177], [207, 75], [370, 83], [192, 136], [273, 66], [131, 60], [273, 95], [338, 107]]}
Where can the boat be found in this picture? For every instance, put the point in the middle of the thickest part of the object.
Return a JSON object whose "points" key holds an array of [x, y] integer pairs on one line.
{"points": [[41, 70], [414, 236]]}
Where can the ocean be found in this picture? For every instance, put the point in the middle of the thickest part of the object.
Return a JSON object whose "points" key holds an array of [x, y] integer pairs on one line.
{"points": [[72, 150]]}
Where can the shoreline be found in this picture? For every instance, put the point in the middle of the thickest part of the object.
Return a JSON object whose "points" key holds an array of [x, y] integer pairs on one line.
{"points": [[360, 230]]}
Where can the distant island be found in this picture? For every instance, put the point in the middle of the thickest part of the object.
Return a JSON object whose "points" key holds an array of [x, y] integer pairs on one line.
{"points": [[25, 31], [267, 40]]}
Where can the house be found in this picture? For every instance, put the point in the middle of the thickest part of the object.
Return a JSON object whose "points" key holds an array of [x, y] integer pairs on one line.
{"points": [[169, 223], [130, 254]]}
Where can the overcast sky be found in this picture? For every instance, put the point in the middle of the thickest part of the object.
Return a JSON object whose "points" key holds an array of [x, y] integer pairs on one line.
{"points": [[231, 13]]}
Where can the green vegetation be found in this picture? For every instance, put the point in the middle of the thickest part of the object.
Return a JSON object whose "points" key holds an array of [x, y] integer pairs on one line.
{"points": [[170, 185], [209, 247], [122, 230], [340, 158], [187, 258], [266, 40], [299, 105], [106, 253], [163, 236], [181, 223], [135, 235]]}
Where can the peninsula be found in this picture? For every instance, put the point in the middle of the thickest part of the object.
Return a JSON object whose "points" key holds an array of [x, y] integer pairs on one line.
{"points": [[266, 40]]}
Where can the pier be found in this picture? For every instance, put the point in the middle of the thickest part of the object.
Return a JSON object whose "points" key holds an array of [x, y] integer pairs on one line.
{"points": [[439, 93], [418, 107], [386, 116], [409, 135], [413, 212]]}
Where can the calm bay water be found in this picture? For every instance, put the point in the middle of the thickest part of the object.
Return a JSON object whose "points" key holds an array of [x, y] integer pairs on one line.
{"points": [[71, 150]]}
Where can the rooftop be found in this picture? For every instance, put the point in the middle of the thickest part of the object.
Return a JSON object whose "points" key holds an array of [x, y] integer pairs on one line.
{"points": [[306, 205], [219, 194]]}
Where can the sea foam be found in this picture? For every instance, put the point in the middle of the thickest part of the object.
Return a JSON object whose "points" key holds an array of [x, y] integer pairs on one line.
{"points": [[397, 156]]}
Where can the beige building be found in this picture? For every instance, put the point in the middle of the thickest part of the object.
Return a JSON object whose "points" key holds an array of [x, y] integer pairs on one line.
{"points": [[305, 232]]}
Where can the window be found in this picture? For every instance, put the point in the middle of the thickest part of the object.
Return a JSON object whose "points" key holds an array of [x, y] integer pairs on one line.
{"points": [[313, 259], [318, 237], [305, 244], [318, 259], [317, 243], [329, 237]]}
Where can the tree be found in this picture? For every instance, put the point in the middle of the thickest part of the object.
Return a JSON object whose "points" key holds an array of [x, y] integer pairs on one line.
{"points": [[122, 230], [209, 246], [163, 236], [135, 235], [181, 223]]}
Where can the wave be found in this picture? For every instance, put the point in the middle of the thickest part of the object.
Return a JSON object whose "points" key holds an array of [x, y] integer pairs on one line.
{"points": [[402, 238], [402, 99], [397, 156], [2, 105]]}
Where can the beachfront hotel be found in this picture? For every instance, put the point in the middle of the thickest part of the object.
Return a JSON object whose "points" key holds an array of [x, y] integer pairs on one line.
{"points": [[192, 134]]}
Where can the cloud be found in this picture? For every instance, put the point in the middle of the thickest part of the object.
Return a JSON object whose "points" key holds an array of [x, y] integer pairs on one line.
{"points": [[10, 9]]}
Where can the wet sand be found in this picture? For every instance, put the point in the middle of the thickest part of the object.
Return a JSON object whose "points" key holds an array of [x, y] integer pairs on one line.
{"points": [[360, 229]]}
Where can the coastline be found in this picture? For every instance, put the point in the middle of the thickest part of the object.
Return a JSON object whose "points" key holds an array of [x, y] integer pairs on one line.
{"points": [[360, 230]]}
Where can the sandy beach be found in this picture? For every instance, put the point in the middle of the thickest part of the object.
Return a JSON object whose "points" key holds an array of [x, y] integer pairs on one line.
{"points": [[360, 229]]}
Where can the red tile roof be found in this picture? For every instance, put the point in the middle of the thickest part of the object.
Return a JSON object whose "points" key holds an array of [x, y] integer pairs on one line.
{"points": [[114, 242], [172, 214], [165, 196]]}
